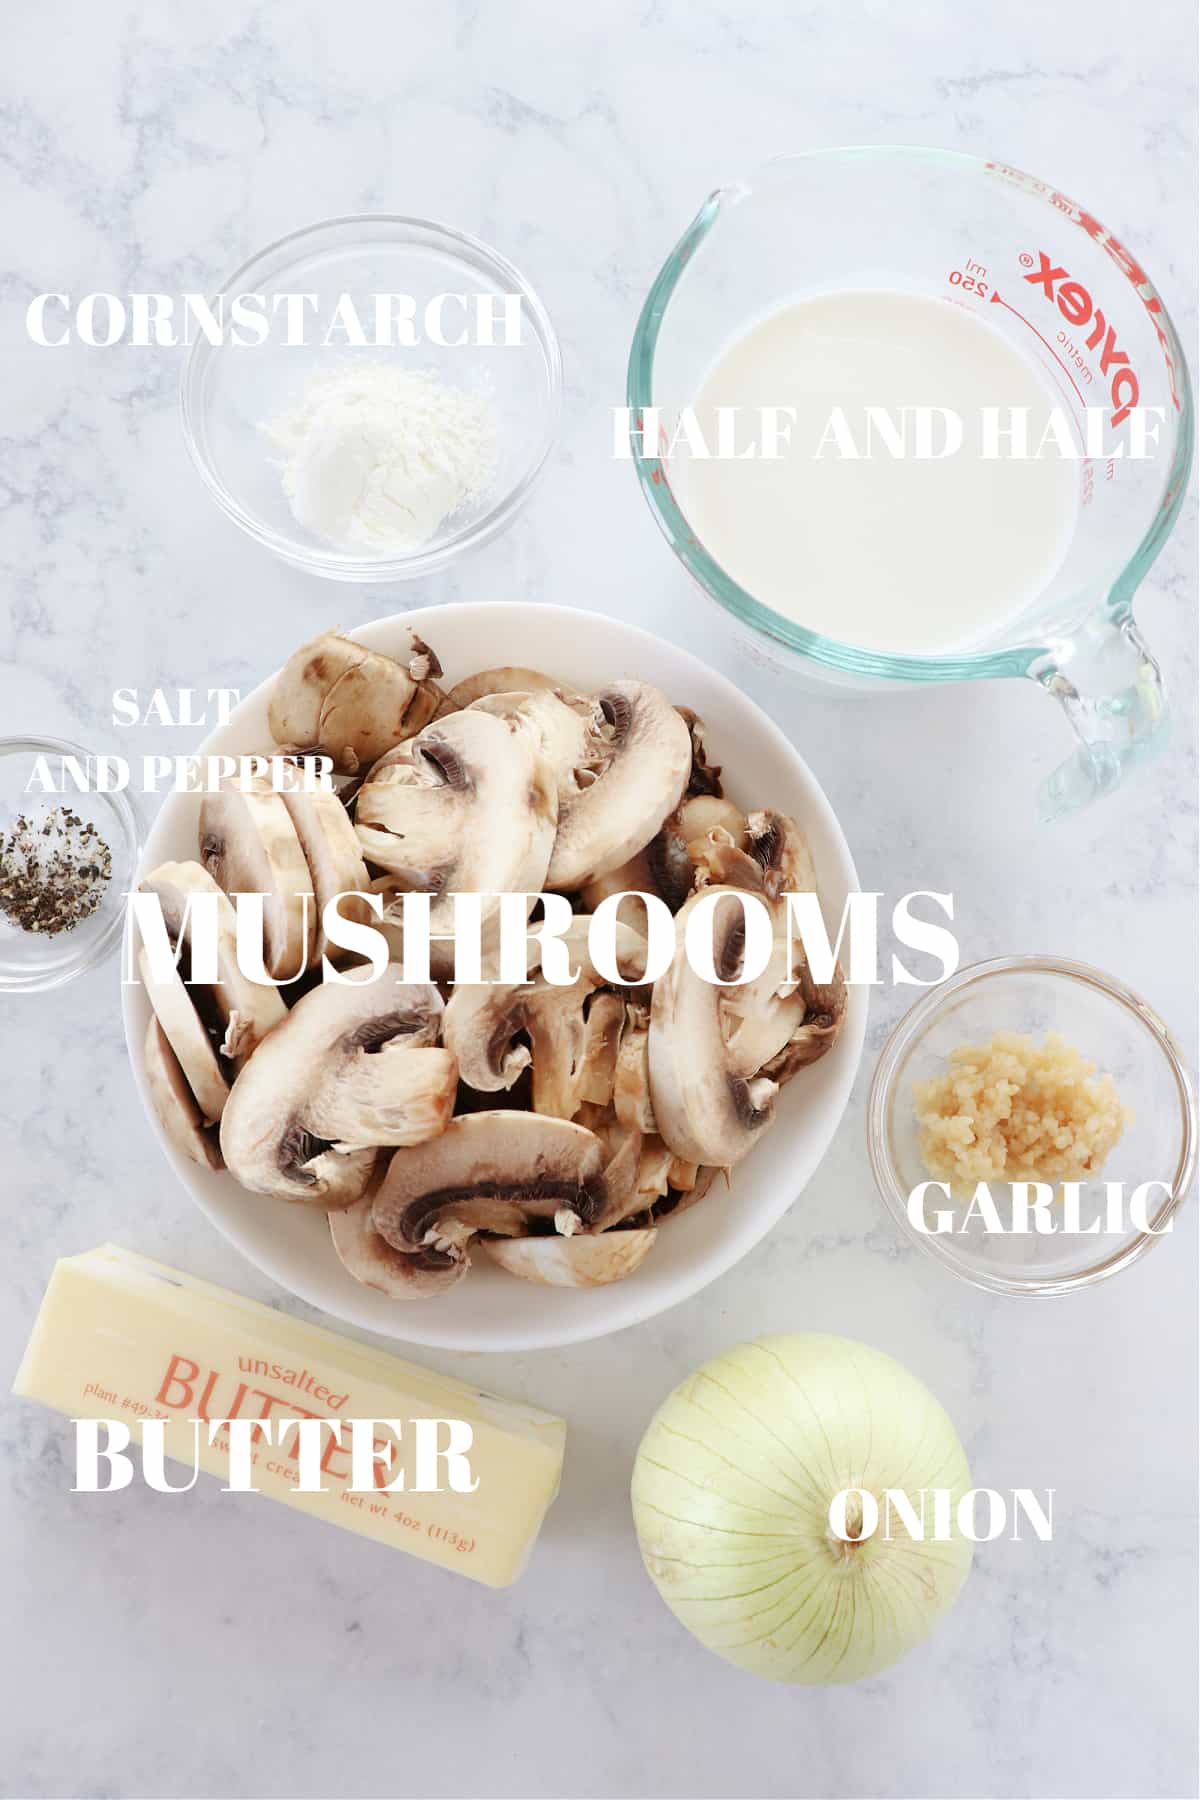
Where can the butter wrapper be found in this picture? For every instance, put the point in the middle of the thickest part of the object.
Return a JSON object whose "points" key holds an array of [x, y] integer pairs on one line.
{"points": [[121, 1337]]}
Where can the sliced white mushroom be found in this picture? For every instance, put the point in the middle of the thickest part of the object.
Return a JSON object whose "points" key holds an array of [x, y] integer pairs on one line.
{"points": [[771, 857], [602, 1038], [654, 1170], [781, 848], [371, 1259], [631, 1077], [678, 858], [391, 927], [508, 680], [825, 1009], [566, 730], [350, 703], [683, 1175], [249, 845], [705, 1109], [780, 1010], [185, 1033], [174, 1102], [680, 1199], [645, 1161], [247, 1009], [469, 804], [498, 1029], [703, 777], [353, 1066], [427, 705], [759, 1017], [579, 1262], [331, 850], [639, 768], [490, 1171]]}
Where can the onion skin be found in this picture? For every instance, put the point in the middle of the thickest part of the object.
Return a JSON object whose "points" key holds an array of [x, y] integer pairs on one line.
{"points": [[731, 1493]]}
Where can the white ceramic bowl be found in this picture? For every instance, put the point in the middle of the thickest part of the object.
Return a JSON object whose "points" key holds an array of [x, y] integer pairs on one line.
{"points": [[491, 1310]]}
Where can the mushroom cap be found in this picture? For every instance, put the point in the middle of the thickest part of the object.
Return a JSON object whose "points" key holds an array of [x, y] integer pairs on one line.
{"points": [[468, 805], [174, 1102], [351, 1068], [641, 760], [371, 1259], [249, 1010], [350, 703], [706, 1110], [184, 1031], [249, 845], [490, 1171], [580, 1261]]}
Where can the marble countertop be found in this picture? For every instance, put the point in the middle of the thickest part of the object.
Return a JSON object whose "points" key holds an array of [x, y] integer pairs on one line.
{"points": [[188, 1648]]}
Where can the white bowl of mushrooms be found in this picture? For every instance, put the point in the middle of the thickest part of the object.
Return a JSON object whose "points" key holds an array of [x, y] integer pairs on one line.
{"points": [[496, 1167]]}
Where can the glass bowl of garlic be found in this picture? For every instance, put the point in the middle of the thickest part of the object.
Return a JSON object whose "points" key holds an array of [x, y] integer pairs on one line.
{"points": [[1032, 1125], [372, 396]]}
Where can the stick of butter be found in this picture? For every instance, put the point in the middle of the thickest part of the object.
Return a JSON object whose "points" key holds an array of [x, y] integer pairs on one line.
{"points": [[121, 1337]]}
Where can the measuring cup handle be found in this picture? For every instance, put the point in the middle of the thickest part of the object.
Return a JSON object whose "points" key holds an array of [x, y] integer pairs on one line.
{"points": [[1111, 689]]}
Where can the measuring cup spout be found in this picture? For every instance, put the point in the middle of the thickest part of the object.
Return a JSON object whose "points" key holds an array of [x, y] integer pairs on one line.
{"points": [[1111, 689]]}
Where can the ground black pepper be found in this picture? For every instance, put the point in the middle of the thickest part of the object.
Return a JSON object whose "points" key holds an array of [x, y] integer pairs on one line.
{"points": [[53, 871]]}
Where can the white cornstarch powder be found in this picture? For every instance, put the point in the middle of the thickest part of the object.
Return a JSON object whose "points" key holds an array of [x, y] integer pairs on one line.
{"points": [[376, 456]]}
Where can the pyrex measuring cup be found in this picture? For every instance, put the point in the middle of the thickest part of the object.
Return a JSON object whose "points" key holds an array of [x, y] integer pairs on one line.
{"points": [[1049, 276]]}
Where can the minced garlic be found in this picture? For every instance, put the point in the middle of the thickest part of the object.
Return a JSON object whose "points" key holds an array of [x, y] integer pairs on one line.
{"points": [[1014, 1110]]}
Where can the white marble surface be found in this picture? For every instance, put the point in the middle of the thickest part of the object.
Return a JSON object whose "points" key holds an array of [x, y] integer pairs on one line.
{"points": [[204, 1648]]}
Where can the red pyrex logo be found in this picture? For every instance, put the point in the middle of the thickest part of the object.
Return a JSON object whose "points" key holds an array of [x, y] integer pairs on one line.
{"points": [[1077, 308]]}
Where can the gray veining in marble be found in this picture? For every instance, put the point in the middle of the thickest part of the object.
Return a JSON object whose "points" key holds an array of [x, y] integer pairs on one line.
{"points": [[155, 1648]]}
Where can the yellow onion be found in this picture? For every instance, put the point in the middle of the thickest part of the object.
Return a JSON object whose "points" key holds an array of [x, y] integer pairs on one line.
{"points": [[731, 1499]]}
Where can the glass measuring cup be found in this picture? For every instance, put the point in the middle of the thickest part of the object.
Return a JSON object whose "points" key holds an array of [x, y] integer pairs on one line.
{"points": [[1052, 279]]}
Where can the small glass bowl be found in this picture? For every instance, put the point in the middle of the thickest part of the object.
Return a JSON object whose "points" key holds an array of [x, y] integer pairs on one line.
{"points": [[1112, 1028], [229, 390], [29, 960]]}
